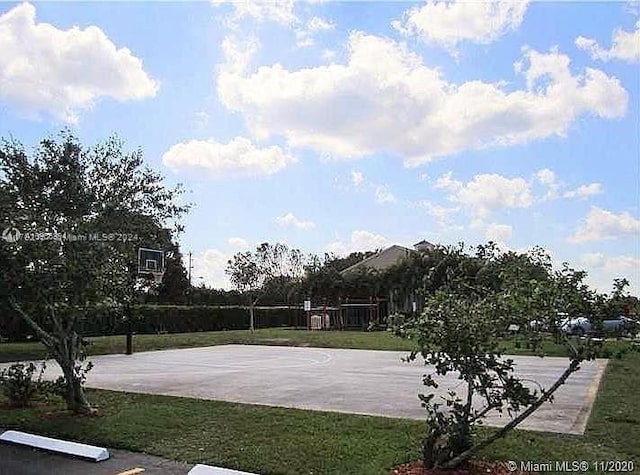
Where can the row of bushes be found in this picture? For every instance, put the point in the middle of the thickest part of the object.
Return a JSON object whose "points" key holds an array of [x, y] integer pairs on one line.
{"points": [[151, 319]]}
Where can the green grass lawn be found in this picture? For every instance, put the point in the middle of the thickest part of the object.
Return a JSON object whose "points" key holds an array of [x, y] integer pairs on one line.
{"points": [[269, 336], [270, 440]]}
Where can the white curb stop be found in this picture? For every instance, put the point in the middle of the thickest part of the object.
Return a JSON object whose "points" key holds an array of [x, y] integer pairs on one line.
{"points": [[207, 470], [88, 452]]}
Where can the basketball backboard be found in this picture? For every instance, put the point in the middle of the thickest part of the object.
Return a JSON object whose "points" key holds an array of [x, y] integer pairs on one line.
{"points": [[150, 261]]}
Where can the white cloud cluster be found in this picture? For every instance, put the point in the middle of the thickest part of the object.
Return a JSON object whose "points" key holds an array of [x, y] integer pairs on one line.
{"points": [[625, 46], [209, 268], [546, 176], [611, 264], [603, 269], [548, 179], [238, 243], [290, 220], [384, 99], [584, 191], [442, 214], [357, 178], [277, 11], [384, 195], [358, 241], [451, 22], [238, 157], [238, 53], [601, 224], [554, 187], [498, 232], [57, 72], [487, 193], [305, 36]]}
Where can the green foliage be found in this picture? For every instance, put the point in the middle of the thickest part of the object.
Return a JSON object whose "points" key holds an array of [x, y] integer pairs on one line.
{"points": [[271, 268], [154, 319], [82, 213], [18, 384], [470, 302], [174, 288]]}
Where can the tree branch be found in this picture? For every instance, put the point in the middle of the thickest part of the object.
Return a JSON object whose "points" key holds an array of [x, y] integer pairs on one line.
{"points": [[44, 336], [573, 367]]}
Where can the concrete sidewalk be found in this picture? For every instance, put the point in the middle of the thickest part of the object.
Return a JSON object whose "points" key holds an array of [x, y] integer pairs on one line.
{"points": [[351, 381]]}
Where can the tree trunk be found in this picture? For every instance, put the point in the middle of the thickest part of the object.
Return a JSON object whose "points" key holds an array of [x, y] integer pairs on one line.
{"points": [[573, 367], [74, 395], [251, 326], [63, 345]]}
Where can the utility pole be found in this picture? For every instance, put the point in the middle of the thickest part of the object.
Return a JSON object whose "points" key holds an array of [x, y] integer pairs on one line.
{"points": [[190, 288]]}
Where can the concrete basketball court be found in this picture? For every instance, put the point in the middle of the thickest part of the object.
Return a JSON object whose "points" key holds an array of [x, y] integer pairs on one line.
{"points": [[351, 381]]}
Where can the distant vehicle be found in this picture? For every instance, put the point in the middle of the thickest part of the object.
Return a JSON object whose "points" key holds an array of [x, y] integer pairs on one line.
{"points": [[583, 325], [546, 325]]}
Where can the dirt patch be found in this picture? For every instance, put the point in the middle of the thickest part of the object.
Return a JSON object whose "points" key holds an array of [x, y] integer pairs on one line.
{"points": [[474, 467]]}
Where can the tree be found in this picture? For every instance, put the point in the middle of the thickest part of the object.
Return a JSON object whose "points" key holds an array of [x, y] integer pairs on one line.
{"points": [[459, 331], [80, 214], [174, 287], [322, 278], [269, 266]]}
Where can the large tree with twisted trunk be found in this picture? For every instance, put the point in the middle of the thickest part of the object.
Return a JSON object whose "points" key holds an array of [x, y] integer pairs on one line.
{"points": [[72, 218]]}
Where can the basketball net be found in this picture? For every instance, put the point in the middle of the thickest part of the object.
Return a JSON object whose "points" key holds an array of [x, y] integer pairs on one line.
{"points": [[157, 277]]}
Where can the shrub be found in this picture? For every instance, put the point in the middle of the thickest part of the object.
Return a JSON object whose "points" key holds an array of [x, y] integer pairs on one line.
{"points": [[150, 319], [18, 385]]}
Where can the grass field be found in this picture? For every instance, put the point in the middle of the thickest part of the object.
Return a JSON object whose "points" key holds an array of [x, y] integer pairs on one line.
{"points": [[286, 441], [269, 336]]}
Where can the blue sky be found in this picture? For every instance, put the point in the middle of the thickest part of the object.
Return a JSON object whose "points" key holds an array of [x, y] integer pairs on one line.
{"points": [[351, 126]]}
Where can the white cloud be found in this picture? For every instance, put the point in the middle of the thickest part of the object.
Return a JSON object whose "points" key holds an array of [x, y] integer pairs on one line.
{"points": [[209, 268], [238, 243], [277, 11], [57, 72], [319, 24], [546, 176], [625, 46], [548, 179], [357, 178], [603, 269], [238, 53], [445, 182], [315, 25], [201, 120], [584, 191], [486, 193], [442, 214], [384, 195], [359, 241], [289, 220], [384, 99], [238, 157], [451, 22], [611, 264], [328, 54], [601, 224], [498, 232], [554, 187]]}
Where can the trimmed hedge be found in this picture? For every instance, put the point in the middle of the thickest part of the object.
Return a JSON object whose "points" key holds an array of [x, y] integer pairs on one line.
{"points": [[150, 319]]}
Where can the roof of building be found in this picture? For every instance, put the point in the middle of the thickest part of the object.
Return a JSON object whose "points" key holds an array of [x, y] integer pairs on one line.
{"points": [[424, 245], [382, 260]]}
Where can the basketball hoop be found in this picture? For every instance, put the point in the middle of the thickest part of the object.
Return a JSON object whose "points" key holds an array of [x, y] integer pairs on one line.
{"points": [[157, 277]]}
